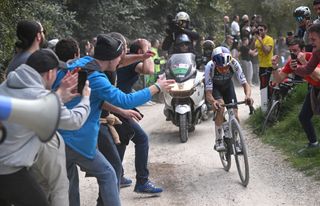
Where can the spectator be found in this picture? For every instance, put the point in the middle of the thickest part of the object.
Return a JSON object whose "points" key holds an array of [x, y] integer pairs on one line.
{"points": [[226, 25], [307, 68], [31, 37], [235, 28], [306, 113], [302, 16], [67, 49], [316, 8], [81, 145], [246, 53], [228, 42], [264, 45], [22, 149]]}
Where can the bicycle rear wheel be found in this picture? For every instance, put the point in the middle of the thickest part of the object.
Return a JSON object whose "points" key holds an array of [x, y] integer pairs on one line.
{"points": [[240, 153], [225, 156], [272, 116]]}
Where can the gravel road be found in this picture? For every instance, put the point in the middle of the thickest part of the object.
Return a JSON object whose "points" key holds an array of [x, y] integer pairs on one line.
{"points": [[192, 174]]}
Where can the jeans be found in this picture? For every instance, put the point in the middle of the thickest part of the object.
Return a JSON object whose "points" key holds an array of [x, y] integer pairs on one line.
{"points": [[141, 141], [109, 150], [98, 167], [248, 70], [21, 188], [305, 117]]}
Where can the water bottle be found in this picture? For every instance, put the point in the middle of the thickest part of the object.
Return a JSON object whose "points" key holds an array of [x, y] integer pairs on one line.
{"points": [[225, 126]]}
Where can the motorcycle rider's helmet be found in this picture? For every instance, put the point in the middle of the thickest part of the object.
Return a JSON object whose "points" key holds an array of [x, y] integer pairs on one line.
{"points": [[221, 56], [302, 12], [182, 16], [182, 19], [182, 40]]}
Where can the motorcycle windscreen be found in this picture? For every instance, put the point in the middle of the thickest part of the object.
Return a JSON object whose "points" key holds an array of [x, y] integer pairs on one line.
{"points": [[182, 66]]}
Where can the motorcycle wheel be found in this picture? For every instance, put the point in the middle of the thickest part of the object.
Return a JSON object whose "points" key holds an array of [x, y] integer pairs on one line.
{"points": [[183, 128]]}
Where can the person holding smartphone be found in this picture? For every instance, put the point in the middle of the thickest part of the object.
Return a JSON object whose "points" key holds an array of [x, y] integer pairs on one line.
{"points": [[264, 45], [81, 145], [296, 47]]}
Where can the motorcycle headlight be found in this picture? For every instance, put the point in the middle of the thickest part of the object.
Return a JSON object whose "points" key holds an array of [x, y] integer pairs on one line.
{"points": [[183, 89]]}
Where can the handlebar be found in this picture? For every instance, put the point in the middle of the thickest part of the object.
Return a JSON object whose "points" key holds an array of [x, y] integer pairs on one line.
{"points": [[251, 108]]}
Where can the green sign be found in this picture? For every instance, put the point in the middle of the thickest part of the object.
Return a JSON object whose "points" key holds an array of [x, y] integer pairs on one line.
{"points": [[180, 71]]}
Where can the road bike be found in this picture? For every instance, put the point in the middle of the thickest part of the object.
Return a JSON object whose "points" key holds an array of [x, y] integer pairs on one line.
{"points": [[235, 144], [279, 93]]}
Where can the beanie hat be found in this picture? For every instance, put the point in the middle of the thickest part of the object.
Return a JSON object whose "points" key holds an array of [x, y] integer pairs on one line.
{"points": [[44, 60], [26, 32], [107, 48]]}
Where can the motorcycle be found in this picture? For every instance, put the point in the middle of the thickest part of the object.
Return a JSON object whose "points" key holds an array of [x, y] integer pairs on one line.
{"points": [[185, 103]]}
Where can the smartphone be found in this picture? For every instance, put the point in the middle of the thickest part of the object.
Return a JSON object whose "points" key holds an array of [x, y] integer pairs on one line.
{"points": [[135, 109], [82, 78], [293, 55]]}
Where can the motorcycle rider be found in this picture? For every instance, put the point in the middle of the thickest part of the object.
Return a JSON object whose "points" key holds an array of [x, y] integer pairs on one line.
{"points": [[183, 44], [179, 25], [220, 89]]}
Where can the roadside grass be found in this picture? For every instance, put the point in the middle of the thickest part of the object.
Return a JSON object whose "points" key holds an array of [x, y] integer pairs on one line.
{"points": [[288, 135]]}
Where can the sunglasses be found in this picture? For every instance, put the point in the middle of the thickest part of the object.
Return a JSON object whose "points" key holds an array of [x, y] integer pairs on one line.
{"points": [[261, 30]]}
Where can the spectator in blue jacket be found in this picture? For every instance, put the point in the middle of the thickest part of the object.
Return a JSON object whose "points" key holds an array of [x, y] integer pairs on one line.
{"points": [[81, 145]]}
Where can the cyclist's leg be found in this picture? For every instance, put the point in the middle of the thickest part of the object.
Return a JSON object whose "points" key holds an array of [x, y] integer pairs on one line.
{"points": [[229, 95], [219, 146]]}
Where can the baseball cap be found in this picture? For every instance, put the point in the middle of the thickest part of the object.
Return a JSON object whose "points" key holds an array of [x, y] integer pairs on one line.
{"points": [[44, 60], [107, 47]]}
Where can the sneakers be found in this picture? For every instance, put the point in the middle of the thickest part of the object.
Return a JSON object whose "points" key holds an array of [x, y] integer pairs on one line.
{"points": [[313, 145], [219, 146], [309, 146], [148, 188], [125, 182]]}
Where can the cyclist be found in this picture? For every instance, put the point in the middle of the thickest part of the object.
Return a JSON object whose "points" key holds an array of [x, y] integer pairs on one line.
{"points": [[220, 88], [306, 113]]}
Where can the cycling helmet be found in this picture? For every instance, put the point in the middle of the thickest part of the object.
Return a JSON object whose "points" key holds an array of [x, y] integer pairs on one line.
{"points": [[221, 56], [182, 38], [182, 16], [208, 45], [302, 12]]}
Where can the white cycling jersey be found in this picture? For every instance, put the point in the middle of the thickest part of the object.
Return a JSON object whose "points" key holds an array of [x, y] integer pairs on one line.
{"points": [[215, 79]]}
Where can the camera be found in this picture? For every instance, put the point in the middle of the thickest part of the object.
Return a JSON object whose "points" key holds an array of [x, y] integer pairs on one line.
{"points": [[255, 32]]}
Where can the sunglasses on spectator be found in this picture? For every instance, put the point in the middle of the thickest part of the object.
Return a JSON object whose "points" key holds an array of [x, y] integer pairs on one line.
{"points": [[261, 30]]}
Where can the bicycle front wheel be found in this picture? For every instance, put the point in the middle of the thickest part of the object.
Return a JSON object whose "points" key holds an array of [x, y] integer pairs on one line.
{"points": [[272, 116], [240, 153], [225, 156]]}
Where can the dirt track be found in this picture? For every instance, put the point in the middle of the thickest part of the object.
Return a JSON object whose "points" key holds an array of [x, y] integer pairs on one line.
{"points": [[191, 173]]}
